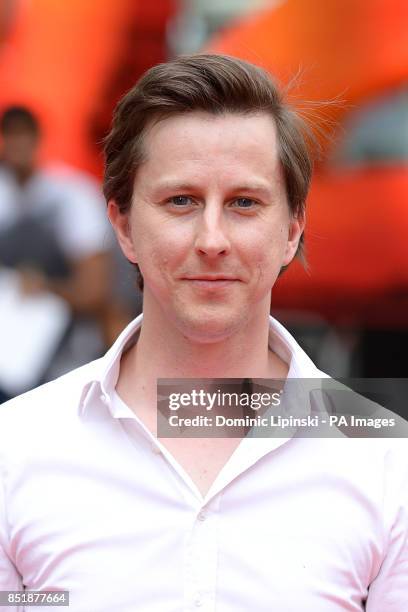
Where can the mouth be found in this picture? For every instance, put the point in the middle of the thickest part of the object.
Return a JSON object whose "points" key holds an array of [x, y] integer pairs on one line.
{"points": [[211, 282]]}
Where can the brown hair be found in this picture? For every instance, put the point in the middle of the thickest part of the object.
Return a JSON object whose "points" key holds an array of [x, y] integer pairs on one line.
{"points": [[216, 84]]}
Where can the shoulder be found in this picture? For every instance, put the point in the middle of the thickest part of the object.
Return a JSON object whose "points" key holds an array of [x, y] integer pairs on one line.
{"points": [[53, 403], [376, 468]]}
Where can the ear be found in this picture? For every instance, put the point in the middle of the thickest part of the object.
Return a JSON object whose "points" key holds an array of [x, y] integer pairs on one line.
{"points": [[296, 227], [121, 225]]}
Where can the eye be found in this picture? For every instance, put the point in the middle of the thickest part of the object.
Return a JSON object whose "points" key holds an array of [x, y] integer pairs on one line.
{"points": [[245, 203], [180, 201]]}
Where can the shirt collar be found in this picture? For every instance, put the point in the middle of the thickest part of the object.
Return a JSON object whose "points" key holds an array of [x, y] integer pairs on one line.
{"points": [[105, 372]]}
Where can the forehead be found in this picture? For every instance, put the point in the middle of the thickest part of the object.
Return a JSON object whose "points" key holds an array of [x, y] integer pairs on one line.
{"points": [[205, 144]]}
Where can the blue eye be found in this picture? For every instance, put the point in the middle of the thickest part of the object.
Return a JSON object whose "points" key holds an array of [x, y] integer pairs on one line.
{"points": [[180, 201], [245, 202]]}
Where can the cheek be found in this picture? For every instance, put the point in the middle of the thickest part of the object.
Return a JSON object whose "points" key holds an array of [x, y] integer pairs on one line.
{"points": [[265, 256], [160, 247], [267, 249], [159, 257]]}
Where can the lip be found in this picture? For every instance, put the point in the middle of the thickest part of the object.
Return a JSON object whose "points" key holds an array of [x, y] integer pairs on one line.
{"points": [[211, 283], [212, 278]]}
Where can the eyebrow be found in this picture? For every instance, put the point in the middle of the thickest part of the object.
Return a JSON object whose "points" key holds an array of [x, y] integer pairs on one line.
{"points": [[262, 190], [174, 186], [255, 188]]}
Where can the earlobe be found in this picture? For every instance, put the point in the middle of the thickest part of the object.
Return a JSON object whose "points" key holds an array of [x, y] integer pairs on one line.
{"points": [[121, 226]]}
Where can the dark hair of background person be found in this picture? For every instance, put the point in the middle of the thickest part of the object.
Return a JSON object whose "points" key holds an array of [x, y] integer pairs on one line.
{"points": [[215, 84], [18, 117]]}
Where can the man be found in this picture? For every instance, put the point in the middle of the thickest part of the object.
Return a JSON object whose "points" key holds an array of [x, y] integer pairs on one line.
{"points": [[53, 233], [207, 174]]}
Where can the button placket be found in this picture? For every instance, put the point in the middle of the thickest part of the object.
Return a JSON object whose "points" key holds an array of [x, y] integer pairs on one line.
{"points": [[202, 561]]}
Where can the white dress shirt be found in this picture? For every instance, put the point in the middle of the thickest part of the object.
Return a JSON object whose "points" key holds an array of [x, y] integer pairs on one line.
{"points": [[93, 503]]}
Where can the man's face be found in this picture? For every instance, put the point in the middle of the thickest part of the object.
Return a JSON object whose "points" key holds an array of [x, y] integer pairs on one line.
{"points": [[19, 148], [209, 224]]}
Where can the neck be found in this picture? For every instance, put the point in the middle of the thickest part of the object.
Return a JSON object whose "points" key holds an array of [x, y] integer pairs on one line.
{"points": [[163, 352], [173, 355]]}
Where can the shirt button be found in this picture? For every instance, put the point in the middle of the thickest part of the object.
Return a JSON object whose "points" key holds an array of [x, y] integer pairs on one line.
{"points": [[104, 398], [202, 516]]}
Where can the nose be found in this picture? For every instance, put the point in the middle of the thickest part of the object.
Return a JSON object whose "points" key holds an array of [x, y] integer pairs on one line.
{"points": [[211, 238]]}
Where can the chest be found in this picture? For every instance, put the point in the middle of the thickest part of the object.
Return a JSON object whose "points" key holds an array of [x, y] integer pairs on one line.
{"points": [[129, 528], [203, 458]]}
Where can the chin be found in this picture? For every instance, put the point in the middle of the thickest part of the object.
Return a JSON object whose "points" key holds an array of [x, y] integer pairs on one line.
{"points": [[209, 328]]}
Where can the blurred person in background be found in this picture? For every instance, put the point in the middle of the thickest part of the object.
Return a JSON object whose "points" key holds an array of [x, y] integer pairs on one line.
{"points": [[39, 67], [53, 233]]}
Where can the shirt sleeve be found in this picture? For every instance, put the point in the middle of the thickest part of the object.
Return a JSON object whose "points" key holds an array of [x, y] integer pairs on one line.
{"points": [[389, 590]]}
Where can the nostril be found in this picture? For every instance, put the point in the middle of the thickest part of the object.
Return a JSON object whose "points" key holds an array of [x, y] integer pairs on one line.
{"points": [[212, 244]]}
